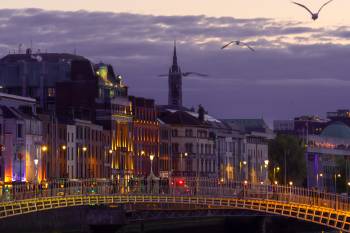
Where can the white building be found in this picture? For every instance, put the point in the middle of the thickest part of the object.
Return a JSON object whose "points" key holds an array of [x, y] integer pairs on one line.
{"points": [[21, 137]]}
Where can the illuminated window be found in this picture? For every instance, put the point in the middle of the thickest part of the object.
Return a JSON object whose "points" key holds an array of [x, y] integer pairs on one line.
{"points": [[51, 92]]}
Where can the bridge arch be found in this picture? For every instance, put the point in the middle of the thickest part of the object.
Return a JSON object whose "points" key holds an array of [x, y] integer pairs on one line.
{"points": [[330, 217]]}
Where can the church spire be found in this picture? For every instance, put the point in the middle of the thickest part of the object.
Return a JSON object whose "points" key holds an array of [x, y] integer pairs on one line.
{"points": [[174, 56]]}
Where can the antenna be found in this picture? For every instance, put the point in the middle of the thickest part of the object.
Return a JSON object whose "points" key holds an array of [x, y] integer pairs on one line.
{"points": [[20, 48]]}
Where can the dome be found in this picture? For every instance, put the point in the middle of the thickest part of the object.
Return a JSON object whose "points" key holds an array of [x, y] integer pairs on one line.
{"points": [[337, 130]]}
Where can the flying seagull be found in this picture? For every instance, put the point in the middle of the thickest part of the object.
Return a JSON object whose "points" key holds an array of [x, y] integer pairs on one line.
{"points": [[185, 74], [238, 43], [314, 16]]}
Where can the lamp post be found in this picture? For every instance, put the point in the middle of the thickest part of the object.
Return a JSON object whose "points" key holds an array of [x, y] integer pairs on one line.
{"points": [[84, 159], [44, 149], [181, 162], [241, 164], [318, 176], [336, 175], [151, 157], [266, 165], [275, 170], [36, 161]]}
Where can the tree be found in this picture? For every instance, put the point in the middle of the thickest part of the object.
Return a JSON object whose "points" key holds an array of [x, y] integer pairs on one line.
{"points": [[289, 150]]}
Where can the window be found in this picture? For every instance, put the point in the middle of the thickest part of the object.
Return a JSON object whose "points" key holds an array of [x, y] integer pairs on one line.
{"points": [[175, 147], [174, 133], [189, 147], [51, 92], [189, 133], [19, 130]]}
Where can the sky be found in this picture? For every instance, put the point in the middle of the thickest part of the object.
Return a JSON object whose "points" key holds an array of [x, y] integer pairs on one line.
{"points": [[300, 67]]}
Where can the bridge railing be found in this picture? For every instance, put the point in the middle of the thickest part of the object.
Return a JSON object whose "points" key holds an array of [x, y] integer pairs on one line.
{"points": [[175, 187]]}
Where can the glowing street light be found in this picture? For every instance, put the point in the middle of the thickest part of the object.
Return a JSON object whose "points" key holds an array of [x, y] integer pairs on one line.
{"points": [[44, 148], [64, 147], [36, 162], [84, 148], [142, 152], [290, 183], [276, 182], [244, 162], [266, 162], [110, 151]]}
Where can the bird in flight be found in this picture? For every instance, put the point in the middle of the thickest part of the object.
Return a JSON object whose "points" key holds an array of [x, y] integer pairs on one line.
{"points": [[238, 43], [185, 74], [314, 16]]}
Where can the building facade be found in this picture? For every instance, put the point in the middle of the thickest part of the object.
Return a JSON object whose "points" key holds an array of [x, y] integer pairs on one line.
{"points": [[145, 136], [21, 138]]}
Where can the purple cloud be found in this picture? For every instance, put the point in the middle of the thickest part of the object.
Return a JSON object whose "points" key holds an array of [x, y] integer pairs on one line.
{"points": [[295, 68]]}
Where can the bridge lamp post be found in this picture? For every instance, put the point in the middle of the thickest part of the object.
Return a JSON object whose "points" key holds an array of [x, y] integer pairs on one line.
{"points": [[290, 189]]}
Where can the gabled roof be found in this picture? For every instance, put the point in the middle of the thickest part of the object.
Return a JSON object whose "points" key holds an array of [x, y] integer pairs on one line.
{"points": [[180, 118], [248, 125], [7, 113]]}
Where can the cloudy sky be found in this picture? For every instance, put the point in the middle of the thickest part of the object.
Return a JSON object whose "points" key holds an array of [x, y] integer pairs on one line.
{"points": [[300, 67]]}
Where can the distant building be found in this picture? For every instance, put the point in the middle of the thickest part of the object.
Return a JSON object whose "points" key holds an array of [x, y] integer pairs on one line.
{"points": [[192, 146], [36, 75], [324, 153], [253, 164], [342, 115], [300, 126]]}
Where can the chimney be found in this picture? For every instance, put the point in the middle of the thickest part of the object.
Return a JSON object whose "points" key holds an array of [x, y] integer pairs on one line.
{"points": [[28, 51], [201, 113]]}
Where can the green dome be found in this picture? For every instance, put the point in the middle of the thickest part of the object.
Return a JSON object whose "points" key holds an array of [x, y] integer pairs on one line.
{"points": [[337, 130]]}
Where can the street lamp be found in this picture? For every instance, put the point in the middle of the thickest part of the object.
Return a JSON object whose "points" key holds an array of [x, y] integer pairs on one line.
{"points": [[84, 148], [275, 170], [317, 178], [151, 157], [241, 164], [43, 148], [290, 183], [335, 181], [110, 151], [36, 162], [64, 147]]}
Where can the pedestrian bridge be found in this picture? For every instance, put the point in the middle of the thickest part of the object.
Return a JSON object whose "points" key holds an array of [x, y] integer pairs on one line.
{"points": [[327, 209]]}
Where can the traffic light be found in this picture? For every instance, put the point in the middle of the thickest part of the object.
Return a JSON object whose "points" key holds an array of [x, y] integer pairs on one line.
{"points": [[180, 182]]}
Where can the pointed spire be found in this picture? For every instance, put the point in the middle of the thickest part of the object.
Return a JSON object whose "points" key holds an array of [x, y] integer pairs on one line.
{"points": [[175, 56]]}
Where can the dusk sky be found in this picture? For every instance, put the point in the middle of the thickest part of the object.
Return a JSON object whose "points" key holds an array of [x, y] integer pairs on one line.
{"points": [[300, 67]]}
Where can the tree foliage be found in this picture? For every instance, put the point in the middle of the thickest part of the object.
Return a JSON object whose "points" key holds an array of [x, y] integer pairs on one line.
{"points": [[293, 150]]}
